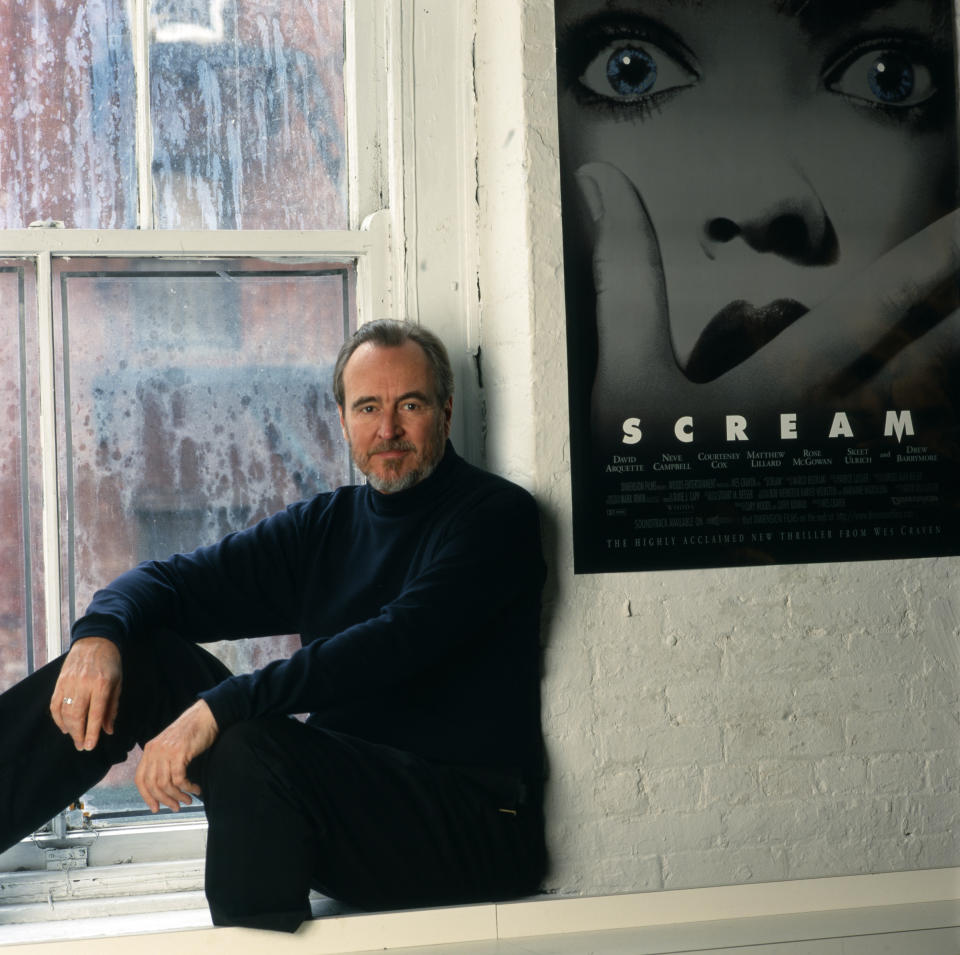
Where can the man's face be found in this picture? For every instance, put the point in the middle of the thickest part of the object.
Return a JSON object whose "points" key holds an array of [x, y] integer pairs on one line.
{"points": [[391, 419]]}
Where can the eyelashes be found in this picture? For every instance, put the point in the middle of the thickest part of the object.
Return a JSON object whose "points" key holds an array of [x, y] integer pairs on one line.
{"points": [[629, 66], [885, 73], [626, 67], [629, 71]]}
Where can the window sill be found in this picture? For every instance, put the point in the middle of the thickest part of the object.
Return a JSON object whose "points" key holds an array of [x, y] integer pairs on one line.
{"points": [[77, 919], [121, 916], [149, 839], [930, 927], [686, 919]]}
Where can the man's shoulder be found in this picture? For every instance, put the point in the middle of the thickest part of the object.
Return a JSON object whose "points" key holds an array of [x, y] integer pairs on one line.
{"points": [[476, 485], [322, 504], [346, 495]]}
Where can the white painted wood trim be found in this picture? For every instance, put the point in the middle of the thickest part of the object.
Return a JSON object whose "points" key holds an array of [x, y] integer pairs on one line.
{"points": [[136, 242], [140, 37], [48, 455], [540, 917], [520, 919]]}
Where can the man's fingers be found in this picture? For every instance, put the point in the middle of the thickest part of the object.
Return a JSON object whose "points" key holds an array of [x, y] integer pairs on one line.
{"points": [[70, 715], [161, 781], [113, 707], [147, 785], [177, 789], [64, 708], [56, 709], [168, 794], [87, 692], [76, 721], [81, 717], [95, 717]]}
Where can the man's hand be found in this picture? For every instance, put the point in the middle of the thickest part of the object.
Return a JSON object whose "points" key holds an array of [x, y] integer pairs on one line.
{"points": [[87, 695], [162, 774]]}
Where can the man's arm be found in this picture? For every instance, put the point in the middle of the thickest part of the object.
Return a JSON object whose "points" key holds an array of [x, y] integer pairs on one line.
{"points": [[490, 561], [243, 586], [218, 591]]}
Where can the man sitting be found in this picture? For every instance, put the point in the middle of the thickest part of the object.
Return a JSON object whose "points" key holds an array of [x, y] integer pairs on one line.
{"points": [[416, 779]]}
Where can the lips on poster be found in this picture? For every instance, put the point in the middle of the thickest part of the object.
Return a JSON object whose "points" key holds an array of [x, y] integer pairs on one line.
{"points": [[761, 269]]}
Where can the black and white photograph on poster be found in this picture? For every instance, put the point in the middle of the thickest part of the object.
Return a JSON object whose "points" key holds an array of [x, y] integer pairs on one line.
{"points": [[761, 269]]}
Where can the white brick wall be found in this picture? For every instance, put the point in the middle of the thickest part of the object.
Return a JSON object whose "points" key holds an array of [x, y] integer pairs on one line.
{"points": [[777, 723], [713, 727]]}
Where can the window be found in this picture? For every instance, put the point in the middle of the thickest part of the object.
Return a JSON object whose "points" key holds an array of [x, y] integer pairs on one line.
{"points": [[195, 398], [190, 224], [170, 139], [177, 114]]}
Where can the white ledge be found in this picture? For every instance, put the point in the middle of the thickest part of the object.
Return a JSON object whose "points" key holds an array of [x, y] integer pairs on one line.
{"points": [[742, 914]]}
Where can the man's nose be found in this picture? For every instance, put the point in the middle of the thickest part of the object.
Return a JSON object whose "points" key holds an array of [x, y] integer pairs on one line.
{"points": [[390, 425]]}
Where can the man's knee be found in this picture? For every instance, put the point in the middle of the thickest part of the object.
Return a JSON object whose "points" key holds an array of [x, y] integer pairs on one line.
{"points": [[247, 761]]}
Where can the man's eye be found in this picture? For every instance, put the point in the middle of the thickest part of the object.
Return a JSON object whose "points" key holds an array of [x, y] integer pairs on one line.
{"points": [[632, 70], [884, 77]]}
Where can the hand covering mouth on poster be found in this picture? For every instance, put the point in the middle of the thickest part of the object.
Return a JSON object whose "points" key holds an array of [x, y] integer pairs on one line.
{"points": [[759, 212], [873, 337]]}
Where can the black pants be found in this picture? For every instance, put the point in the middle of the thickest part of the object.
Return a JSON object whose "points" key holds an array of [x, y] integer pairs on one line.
{"points": [[289, 806]]}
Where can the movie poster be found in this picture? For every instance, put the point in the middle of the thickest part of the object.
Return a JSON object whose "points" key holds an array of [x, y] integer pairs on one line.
{"points": [[761, 265]]}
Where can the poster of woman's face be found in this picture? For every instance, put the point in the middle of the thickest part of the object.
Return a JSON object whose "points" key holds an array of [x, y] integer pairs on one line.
{"points": [[761, 262]]}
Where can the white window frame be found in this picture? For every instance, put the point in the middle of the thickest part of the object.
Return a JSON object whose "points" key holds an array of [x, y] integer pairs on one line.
{"points": [[413, 233]]}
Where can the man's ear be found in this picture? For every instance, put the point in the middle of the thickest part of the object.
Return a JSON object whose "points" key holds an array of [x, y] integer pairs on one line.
{"points": [[343, 423], [447, 416]]}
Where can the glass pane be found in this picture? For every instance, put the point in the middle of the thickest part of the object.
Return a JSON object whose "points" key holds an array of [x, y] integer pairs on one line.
{"points": [[197, 400], [21, 607], [248, 114], [67, 147]]}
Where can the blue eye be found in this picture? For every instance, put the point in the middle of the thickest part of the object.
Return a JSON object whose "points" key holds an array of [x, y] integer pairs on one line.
{"points": [[633, 71], [884, 77], [892, 78]]}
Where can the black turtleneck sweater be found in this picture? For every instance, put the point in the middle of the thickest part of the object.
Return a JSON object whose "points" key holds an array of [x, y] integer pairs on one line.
{"points": [[418, 613]]}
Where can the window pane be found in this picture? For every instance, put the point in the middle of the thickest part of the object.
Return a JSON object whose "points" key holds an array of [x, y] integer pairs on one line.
{"points": [[67, 148], [21, 606], [197, 400], [248, 114]]}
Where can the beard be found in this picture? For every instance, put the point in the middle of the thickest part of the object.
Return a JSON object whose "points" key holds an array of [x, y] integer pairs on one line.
{"points": [[394, 480]]}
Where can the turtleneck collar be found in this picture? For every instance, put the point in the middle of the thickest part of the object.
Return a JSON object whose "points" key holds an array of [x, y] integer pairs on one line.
{"points": [[427, 490]]}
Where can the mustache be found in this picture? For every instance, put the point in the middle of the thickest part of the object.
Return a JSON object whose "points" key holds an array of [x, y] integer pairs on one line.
{"points": [[736, 332], [396, 444]]}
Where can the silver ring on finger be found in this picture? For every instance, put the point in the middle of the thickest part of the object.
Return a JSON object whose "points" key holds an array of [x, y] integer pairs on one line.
{"points": [[67, 700]]}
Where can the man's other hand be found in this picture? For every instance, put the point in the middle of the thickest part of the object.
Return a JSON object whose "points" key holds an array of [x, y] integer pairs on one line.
{"points": [[87, 695], [162, 774]]}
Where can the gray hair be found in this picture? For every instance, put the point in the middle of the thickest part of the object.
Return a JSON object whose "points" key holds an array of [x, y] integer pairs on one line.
{"points": [[388, 333]]}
